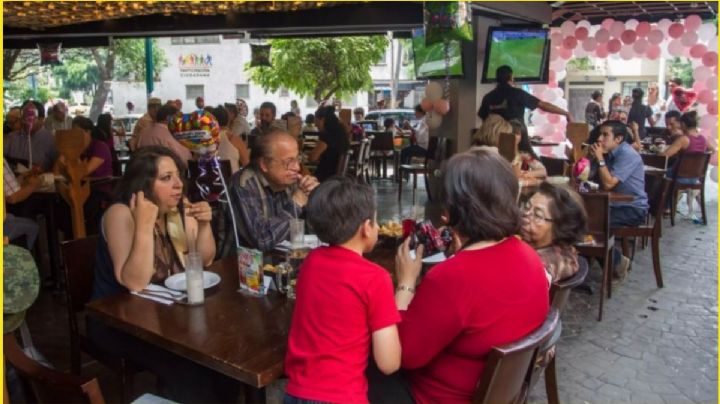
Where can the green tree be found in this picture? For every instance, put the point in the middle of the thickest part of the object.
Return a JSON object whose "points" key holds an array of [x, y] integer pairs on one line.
{"points": [[322, 67], [680, 68]]}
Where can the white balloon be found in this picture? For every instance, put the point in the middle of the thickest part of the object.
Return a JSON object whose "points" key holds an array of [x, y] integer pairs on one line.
{"points": [[435, 119], [559, 92], [714, 174], [433, 91], [627, 52], [567, 28], [702, 73], [560, 74], [675, 47], [584, 23], [539, 119], [664, 24], [579, 52], [707, 31], [558, 64], [631, 23], [549, 95], [711, 83], [712, 43], [560, 103]]}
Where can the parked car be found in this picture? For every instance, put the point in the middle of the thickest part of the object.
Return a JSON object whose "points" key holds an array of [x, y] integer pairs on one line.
{"points": [[398, 115]]}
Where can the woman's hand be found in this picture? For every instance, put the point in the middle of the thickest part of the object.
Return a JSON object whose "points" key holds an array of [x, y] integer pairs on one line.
{"points": [[408, 269], [201, 211], [143, 210]]}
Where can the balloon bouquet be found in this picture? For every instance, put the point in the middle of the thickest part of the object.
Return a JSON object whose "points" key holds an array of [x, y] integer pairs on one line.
{"points": [[199, 132]]}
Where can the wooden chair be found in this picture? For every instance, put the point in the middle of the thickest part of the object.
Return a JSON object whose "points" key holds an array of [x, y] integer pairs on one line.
{"points": [[343, 163], [70, 145], [50, 385], [364, 159], [555, 166], [690, 165], [598, 207], [79, 270], [652, 231], [559, 294], [506, 146], [654, 160], [382, 149], [509, 370], [436, 151], [578, 133]]}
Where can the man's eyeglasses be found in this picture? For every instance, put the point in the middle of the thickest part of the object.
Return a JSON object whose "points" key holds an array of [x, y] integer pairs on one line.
{"points": [[536, 215], [289, 162]]}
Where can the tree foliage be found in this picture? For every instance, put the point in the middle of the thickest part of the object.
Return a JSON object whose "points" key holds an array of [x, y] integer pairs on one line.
{"points": [[321, 68], [18, 64], [680, 68]]}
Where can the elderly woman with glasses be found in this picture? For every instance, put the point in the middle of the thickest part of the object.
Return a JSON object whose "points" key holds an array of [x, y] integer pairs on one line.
{"points": [[553, 220]]}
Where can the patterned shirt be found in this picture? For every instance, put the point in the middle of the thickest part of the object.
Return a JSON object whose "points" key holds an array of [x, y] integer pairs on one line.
{"points": [[44, 153], [262, 215], [10, 184]]}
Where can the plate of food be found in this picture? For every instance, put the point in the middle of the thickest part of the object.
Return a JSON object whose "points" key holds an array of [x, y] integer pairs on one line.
{"points": [[391, 229], [178, 282]]}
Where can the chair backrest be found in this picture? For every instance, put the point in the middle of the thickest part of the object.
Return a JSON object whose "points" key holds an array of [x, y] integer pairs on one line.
{"points": [[509, 368], [554, 166], [578, 133], [79, 270], [560, 290], [343, 163], [657, 189], [432, 149], [597, 205], [117, 168], [50, 385], [382, 141], [506, 146], [654, 160], [692, 165]]}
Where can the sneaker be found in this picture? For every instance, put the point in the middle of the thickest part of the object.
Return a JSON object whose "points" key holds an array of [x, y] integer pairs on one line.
{"points": [[696, 220], [621, 271]]}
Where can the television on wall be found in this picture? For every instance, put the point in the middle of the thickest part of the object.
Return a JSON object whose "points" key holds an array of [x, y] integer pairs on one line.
{"points": [[429, 60], [525, 50]]}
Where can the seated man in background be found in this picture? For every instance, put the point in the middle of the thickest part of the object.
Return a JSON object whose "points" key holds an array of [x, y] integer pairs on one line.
{"points": [[15, 144], [269, 192], [419, 140], [267, 122], [14, 226]]}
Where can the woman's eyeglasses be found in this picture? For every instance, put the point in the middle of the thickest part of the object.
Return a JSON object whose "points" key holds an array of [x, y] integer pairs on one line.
{"points": [[536, 215]]}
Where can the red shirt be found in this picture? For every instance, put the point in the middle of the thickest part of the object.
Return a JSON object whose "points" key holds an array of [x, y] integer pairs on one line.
{"points": [[463, 307], [341, 300]]}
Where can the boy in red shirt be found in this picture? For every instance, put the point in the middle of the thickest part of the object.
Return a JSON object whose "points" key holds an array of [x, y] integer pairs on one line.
{"points": [[344, 303]]}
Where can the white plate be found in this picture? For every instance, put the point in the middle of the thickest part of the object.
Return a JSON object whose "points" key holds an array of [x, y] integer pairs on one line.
{"points": [[558, 180], [434, 259], [177, 281]]}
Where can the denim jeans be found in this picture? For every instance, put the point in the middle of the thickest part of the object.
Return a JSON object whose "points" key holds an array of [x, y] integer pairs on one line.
{"points": [[15, 227], [625, 216], [288, 399]]}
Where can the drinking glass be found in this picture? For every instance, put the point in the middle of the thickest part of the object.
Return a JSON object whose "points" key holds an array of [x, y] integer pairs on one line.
{"points": [[194, 278], [297, 232]]}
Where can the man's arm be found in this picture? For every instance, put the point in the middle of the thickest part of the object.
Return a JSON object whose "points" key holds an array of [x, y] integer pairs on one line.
{"points": [[547, 107]]}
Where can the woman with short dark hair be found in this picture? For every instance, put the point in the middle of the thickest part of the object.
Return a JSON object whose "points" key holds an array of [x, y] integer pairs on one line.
{"points": [[491, 292], [526, 165], [554, 220], [333, 141]]}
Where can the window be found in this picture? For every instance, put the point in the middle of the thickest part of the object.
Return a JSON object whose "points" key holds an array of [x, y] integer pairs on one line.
{"points": [[192, 40], [242, 91], [284, 92], [627, 87], [193, 91]]}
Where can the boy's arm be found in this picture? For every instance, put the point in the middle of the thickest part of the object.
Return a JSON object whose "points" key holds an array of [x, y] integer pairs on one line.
{"points": [[386, 349]]}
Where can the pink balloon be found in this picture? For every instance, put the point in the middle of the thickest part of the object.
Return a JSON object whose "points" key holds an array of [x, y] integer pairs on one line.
{"points": [[675, 47], [602, 36], [569, 42], [705, 96], [627, 52], [692, 22], [698, 86], [697, 51], [655, 37], [641, 46], [628, 37], [554, 53], [565, 53], [556, 38], [702, 73], [642, 29], [712, 107], [709, 59], [581, 33], [441, 106], [554, 119], [601, 51], [712, 82], [607, 23], [567, 28], [426, 105], [714, 159], [653, 52], [676, 30], [614, 46], [689, 39], [617, 28], [552, 75], [708, 122], [589, 44]]}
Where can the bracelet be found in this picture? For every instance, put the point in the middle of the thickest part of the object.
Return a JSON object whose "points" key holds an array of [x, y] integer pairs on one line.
{"points": [[401, 288]]}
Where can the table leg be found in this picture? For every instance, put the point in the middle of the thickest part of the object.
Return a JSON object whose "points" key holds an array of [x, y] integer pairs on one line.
{"points": [[254, 395]]}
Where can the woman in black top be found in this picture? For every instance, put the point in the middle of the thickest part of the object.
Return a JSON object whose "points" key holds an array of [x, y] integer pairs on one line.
{"points": [[333, 142], [640, 112]]}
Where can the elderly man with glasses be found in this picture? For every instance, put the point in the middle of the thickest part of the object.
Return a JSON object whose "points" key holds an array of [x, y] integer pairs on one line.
{"points": [[269, 192]]}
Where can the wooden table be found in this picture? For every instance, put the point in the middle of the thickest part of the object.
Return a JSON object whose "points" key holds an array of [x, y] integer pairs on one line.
{"points": [[238, 335]]}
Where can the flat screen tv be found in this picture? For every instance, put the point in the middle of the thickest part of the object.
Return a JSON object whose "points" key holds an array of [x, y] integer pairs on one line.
{"points": [[525, 50], [430, 60]]}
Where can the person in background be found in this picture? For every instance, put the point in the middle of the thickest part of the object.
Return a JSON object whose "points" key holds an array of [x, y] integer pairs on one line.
{"points": [[145, 121], [526, 165], [159, 134], [15, 144], [269, 192], [231, 146], [59, 118], [359, 114], [324, 362], [242, 108], [15, 192], [554, 219], [632, 136], [357, 132], [12, 120], [673, 125], [493, 291], [294, 108], [130, 107], [622, 172], [655, 104], [489, 133], [309, 124], [106, 132], [510, 102], [237, 125], [332, 143], [615, 102], [419, 141], [640, 113], [627, 102], [266, 116], [670, 105], [178, 104], [594, 113], [199, 103]]}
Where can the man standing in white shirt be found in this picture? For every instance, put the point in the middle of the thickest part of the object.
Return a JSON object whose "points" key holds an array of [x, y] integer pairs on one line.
{"points": [[670, 103], [421, 138]]}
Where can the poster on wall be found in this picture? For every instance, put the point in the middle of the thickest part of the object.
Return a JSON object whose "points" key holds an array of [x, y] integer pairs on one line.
{"points": [[195, 65]]}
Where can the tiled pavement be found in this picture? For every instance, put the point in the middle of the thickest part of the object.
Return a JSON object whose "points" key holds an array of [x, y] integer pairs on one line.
{"points": [[653, 345]]}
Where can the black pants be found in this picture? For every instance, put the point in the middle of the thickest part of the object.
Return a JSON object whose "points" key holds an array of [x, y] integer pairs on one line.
{"points": [[387, 389]]}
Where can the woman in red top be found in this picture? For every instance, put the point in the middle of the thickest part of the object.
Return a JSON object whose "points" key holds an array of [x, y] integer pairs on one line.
{"points": [[491, 292]]}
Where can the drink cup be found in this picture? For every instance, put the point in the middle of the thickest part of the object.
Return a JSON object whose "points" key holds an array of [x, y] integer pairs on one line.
{"points": [[194, 278], [297, 232]]}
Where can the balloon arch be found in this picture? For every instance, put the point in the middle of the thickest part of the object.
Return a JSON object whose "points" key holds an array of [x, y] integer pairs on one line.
{"points": [[627, 40]]}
